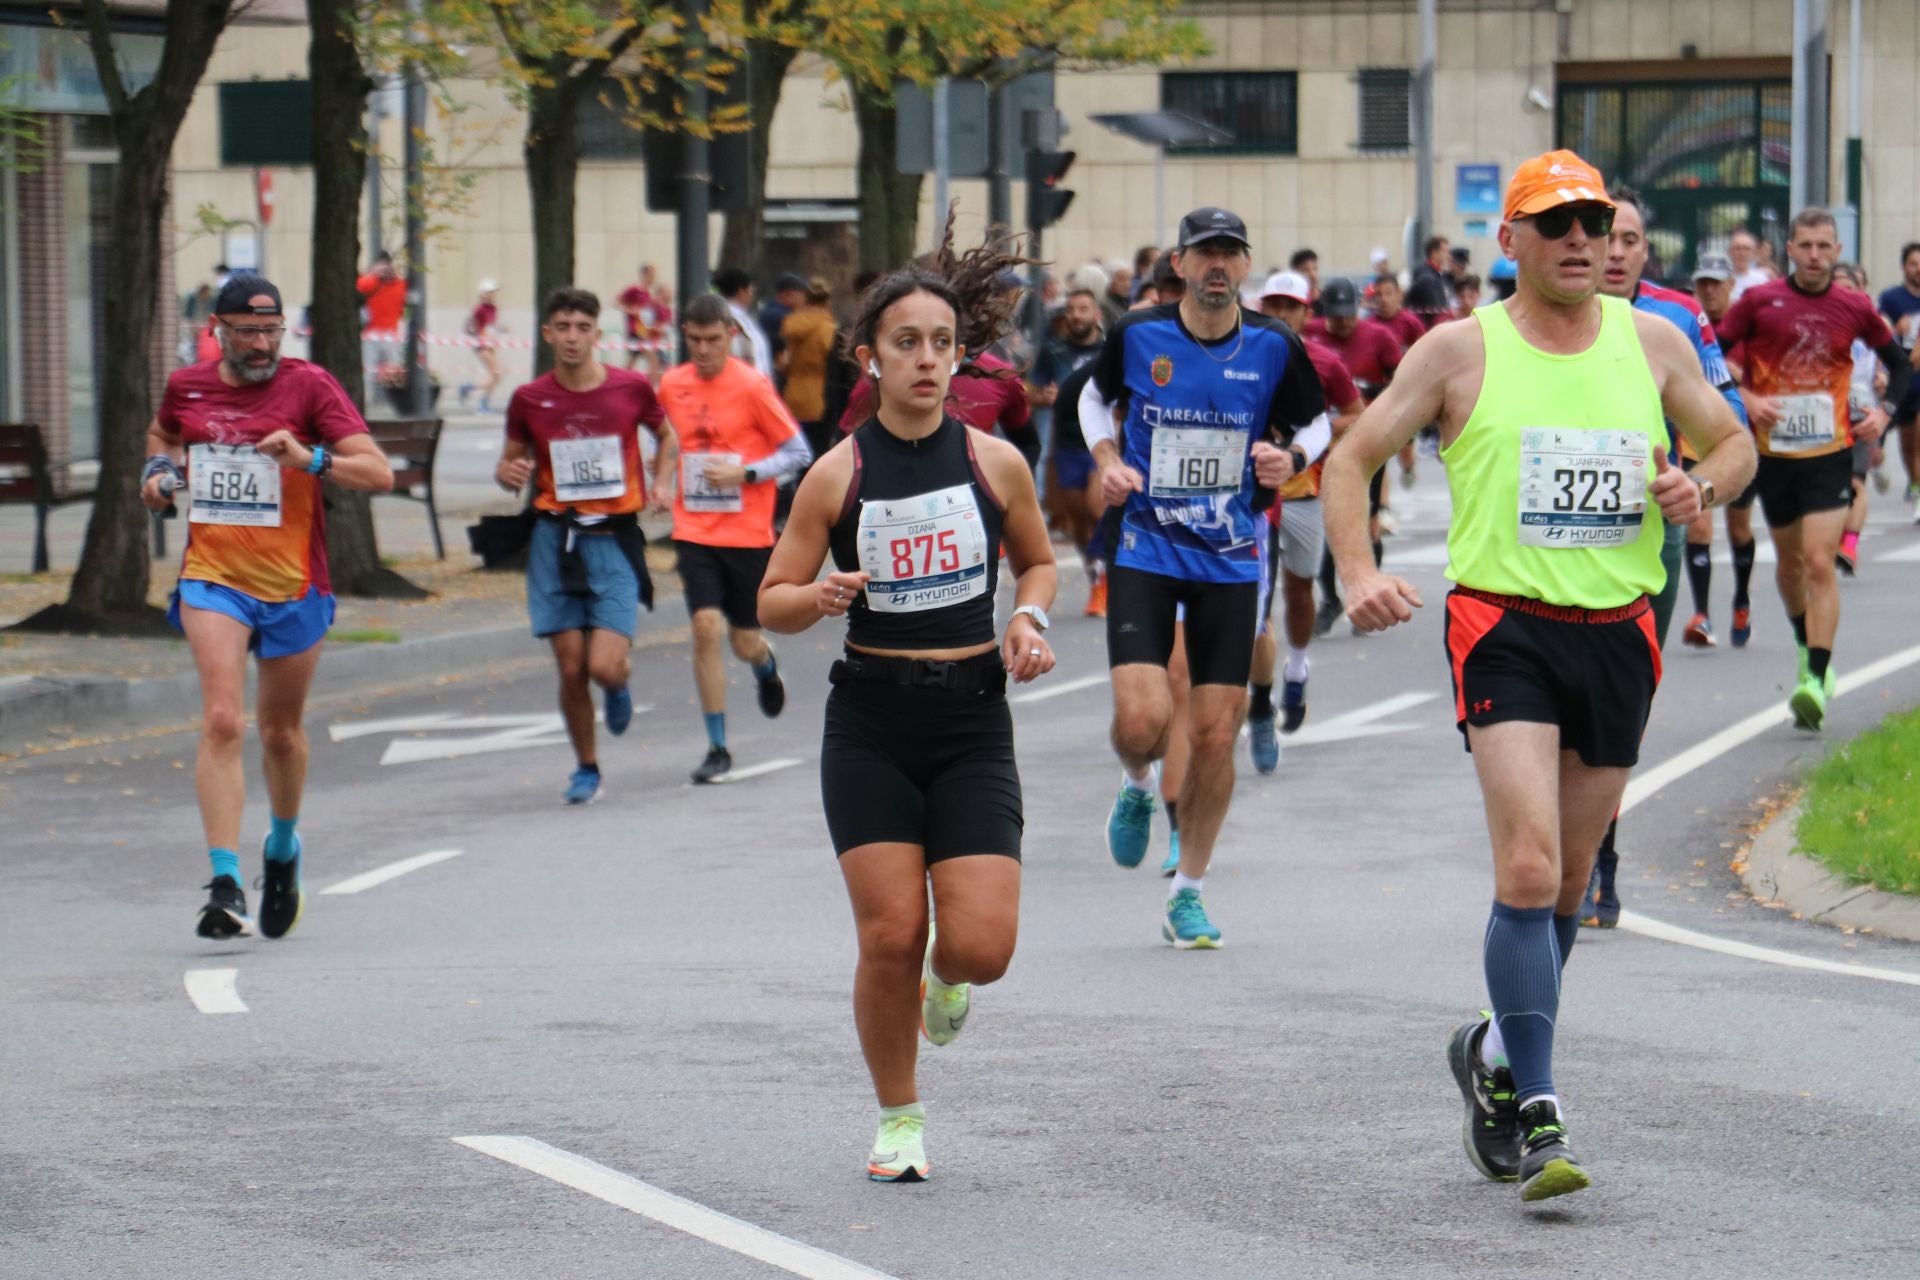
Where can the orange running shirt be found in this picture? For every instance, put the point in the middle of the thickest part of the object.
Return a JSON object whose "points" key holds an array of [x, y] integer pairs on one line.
{"points": [[741, 417], [275, 564], [586, 444]]}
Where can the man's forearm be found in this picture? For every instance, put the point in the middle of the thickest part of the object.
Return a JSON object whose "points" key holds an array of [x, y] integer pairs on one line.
{"points": [[1728, 466], [1343, 495]]}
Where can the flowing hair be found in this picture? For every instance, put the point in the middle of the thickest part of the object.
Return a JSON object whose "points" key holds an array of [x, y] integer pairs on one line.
{"points": [[968, 282]]}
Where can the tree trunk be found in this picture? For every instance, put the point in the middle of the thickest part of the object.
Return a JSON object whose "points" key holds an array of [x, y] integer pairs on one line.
{"points": [[340, 88], [889, 199], [743, 244], [110, 586], [552, 151]]}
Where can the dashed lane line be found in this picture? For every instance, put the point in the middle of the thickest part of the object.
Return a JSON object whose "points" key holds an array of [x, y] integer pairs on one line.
{"points": [[380, 875], [214, 990]]}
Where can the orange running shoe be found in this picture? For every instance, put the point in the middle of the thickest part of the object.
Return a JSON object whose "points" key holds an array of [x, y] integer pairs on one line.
{"points": [[1097, 599], [1699, 632]]}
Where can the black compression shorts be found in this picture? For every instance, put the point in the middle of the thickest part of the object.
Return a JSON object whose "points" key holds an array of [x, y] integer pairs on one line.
{"points": [[723, 578], [1594, 675], [1222, 619], [1790, 488], [926, 766]]}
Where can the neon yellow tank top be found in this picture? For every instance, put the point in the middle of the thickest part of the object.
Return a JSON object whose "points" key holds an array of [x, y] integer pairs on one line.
{"points": [[1549, 476]]}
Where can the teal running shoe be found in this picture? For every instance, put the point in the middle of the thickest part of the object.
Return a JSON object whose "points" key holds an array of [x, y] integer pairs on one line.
{"points": [[1172, 864], [1187, 926], [1264, 739], [1130, 826], [583, 787]]}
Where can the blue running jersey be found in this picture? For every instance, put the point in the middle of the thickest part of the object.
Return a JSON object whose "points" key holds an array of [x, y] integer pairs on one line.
{"points": [[1193, 413], [1685, 313]]}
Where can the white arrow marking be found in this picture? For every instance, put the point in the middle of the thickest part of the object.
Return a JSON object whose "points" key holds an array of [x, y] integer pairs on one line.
{"points": [[1903, 554], [1360, 723], [756, 770], [1057, 690], [380, 875], [512, 733], [213, 990], [446, 720]]}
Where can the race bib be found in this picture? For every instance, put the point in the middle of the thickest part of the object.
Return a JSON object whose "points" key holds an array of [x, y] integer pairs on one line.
{"points": [[1805, 424], [1196, 462], [233, 484], [1582, 488], [923, 552], [697, 492], [588, 469]]}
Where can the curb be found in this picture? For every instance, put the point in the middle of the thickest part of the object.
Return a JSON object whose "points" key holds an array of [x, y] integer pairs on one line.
{"points": [[1774, 872], [76, 706]]}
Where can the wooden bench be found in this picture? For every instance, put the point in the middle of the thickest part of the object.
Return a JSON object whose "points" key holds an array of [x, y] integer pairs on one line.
{"points": [[411, 445], [27, 477]]}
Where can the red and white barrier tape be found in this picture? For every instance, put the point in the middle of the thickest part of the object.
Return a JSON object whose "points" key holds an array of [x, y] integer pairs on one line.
{"points": [[507, 344]]}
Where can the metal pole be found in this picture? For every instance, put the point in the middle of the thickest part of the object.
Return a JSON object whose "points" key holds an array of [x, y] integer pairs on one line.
{"points": [[696, 182], [1160, 194], [416, 121], [1423, 119], [999, 180], [943, 154], [1797, 120], [1853, 114], [375, 115]]}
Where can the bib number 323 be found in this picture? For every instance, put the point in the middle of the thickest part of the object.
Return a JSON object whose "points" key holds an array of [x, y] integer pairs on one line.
{"points": [[923, 552], [1581, 488]]}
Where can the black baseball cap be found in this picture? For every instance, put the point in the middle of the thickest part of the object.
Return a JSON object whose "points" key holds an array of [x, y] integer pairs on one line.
{"points": [[1212, 224], [1338, 297], [788, 280], [237, 296]]}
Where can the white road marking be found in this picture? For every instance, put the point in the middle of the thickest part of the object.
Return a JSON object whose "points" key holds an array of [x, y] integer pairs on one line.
{"points": [[1762, 552], [1909, 552], [1059, 690], [511, 733], [1433, 554], [380, 875], [756, 770], [213, 990], [664, 1207], [1704, 752], [1362, 722], [416, 724]]}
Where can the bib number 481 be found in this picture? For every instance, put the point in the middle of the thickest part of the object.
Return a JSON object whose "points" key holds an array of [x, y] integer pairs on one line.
{"points": [[925, 554]]}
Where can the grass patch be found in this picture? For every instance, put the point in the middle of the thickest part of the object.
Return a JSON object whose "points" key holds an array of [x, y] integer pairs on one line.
{"points": [[365, 635], [1860, 817]]}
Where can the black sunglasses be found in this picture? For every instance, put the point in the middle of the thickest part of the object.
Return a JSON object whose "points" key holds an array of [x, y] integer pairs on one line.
{"points": [[1594, 219]]}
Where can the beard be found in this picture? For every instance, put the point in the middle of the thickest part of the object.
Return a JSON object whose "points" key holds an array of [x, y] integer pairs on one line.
{"points": [[253, 373]]}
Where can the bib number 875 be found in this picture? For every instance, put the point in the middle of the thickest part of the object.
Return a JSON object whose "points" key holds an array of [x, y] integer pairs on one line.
{"points": [[233, 486], [1579, 489], [923, 549]]}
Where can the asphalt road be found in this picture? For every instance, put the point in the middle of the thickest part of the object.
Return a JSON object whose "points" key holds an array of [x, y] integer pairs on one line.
{"points": [[660, 983]]}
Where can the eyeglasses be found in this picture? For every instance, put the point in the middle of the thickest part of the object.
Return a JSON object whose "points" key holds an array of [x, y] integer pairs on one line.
{"points": [[1594, 219], [249, 332]]}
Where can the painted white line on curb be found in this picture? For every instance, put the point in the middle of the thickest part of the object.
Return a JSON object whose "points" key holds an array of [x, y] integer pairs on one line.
{"points": [[380, 875], [213, 991], [664, 1207], [756, 770], [1057, 690], [1710, 749]]}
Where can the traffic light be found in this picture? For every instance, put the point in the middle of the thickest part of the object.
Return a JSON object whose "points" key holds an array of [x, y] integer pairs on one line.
{"points": [[1046, 202]]}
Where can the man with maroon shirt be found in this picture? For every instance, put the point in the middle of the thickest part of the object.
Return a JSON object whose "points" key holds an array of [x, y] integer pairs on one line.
{"points": [[1390, 309], [636, 302], [575, 433], [1798, 337]]}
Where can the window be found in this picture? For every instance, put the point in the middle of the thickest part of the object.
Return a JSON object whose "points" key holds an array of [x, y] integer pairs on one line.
{"points": [[266, 122], [1386, 96], [1259, 108], [605, 133]]}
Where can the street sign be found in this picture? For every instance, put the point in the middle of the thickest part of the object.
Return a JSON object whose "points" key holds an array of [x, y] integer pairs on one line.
{"points": [[1476, 189], [966, 128]]}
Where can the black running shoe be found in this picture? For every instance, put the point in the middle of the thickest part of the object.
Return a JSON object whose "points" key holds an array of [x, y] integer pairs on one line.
{"points": [[773, 696], [1330, 612], [280, 899], [1491, 1133], [226, 911], [1547, 1164], [717, 765], [1600, 909]]}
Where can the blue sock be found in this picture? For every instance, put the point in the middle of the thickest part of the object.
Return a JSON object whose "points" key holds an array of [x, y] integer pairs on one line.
{"points": [[282, 844], [717, 729], [1565, 930], [225, 863], [1522, 961], [767, 670]]}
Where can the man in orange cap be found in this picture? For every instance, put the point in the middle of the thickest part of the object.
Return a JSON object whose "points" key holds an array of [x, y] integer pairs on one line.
{"points": [[1553, 409]]}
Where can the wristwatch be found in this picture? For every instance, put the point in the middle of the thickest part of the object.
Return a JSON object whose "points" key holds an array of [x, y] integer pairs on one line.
{"points": [[1706, 492], [1300, 463], [753, 477], [1033, 611]]}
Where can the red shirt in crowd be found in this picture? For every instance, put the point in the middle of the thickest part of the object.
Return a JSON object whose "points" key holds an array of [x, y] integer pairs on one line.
{"points": [[980, 402], [1406, 326], [594, 437], [1337, 385], [1371, 352], [385, 300]]}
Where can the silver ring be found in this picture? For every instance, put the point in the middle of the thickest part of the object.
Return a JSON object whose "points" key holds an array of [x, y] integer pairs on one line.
{"points": [[1033, 653]]}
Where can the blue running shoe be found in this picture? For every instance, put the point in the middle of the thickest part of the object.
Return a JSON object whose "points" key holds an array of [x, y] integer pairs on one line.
{"points": [[1130, 826], [619, 710], [1172, 864], [583, 787], [1293, 705], [1264, 742], [1187, 926]]}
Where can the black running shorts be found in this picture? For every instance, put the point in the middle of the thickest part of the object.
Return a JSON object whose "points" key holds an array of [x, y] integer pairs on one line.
{"points": [[1222, 620], [1790, 488], [1592, 673], [932, 767], [723, 578]]}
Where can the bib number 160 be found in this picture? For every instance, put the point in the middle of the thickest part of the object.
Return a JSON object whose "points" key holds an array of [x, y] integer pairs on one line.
{"points": [[1199, 473], [1579, 488], [930, 552]]}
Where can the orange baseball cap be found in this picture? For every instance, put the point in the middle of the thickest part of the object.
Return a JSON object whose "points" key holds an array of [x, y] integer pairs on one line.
{"points": [[1556, 178]]}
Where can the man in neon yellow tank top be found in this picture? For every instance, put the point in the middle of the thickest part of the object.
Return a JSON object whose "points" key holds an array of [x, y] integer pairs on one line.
{"points": [[1552, 409]]}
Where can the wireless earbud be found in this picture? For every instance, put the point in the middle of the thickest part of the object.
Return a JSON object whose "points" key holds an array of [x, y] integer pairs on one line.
{"points": [[873, 367], [954, 370]]}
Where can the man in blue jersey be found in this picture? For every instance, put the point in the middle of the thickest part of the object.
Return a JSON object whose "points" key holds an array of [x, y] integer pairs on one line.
{"points": [[1222, 407], [1626, 262]]}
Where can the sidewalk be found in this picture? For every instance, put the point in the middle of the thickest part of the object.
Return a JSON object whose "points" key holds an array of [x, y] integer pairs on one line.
{"points": [[1778, 875]]}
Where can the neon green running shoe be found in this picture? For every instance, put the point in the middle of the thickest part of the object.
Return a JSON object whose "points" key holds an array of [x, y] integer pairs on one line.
{"points": [[1809, 702], [899, 1151], [1548, 1167], [943, 1008]]}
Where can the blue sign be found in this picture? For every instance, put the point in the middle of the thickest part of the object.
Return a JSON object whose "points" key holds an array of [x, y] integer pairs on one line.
{"points": [[1476, 189]]}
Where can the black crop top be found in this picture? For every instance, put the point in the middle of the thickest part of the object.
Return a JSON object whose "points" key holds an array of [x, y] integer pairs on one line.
{"points": [[922, 519]]}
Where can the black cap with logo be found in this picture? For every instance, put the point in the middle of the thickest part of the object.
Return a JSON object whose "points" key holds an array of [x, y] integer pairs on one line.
{"points": [[1212, 224], [238, 293], [1338, 297]]}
